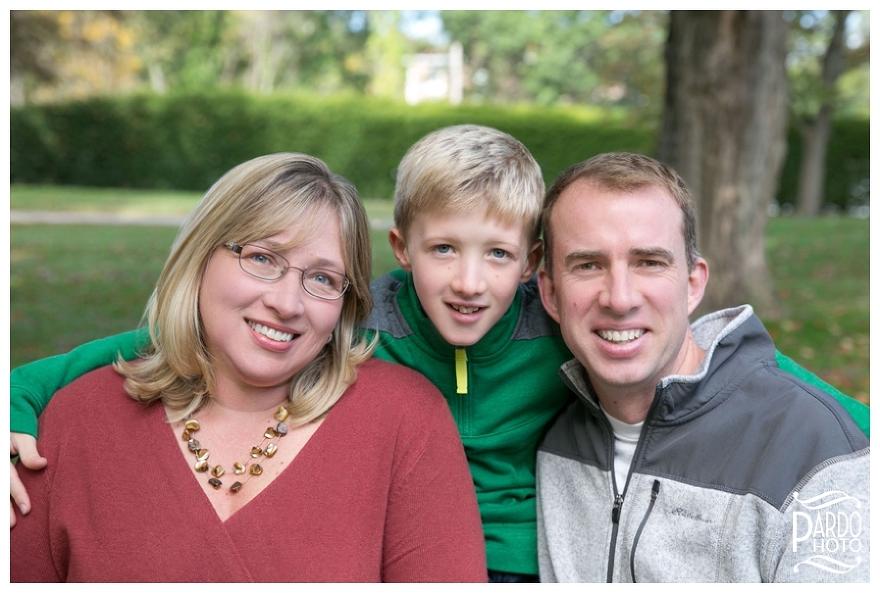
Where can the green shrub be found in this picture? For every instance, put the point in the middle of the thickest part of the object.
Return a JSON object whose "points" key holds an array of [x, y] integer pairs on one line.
{"points": [[188, 140]]}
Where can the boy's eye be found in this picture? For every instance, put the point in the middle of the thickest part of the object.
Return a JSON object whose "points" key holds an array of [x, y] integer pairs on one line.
{"points": [[499, 253], [443, 249]]}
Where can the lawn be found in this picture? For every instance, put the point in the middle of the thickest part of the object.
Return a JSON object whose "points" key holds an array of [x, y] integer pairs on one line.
{"points": [[71, 283]]}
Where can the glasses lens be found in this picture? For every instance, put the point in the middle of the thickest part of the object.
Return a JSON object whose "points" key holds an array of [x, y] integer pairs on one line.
{"points": [[261, 263], [324, 283]]}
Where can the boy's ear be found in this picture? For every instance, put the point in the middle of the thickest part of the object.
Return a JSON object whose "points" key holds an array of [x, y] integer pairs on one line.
{"points": [[398, 246], [533, 260]]}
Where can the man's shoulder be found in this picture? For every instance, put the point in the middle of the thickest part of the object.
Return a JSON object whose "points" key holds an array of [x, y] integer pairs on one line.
{"points": [[533, 321]]}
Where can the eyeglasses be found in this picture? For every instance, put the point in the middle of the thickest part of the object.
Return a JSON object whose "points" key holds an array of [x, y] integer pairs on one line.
{"points": [[268, 265]]}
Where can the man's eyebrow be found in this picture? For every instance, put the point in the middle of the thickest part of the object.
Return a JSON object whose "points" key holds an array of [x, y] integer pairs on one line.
{"points": [[658, 252], [581, 255]]}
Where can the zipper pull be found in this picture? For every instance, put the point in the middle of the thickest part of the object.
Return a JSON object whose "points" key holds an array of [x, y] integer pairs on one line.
{"points": [[615, 510], [461, 377]]}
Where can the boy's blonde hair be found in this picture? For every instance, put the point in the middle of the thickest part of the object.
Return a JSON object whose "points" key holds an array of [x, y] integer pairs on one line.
{"points": [[254, 200], [462, 168]]}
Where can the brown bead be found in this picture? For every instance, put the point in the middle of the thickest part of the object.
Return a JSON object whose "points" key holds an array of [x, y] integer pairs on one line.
{"points": [[282, 414], [256, 452], [256, 469], [270, 433], [192, 425], [202, 454], [218, 471], [186, 435], [238, 468], [235, 487], [201, 465], [271, 449], [215, 483]]}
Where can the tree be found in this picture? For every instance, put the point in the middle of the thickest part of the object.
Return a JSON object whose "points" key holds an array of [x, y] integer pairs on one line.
{"points": [[724, 131], [551, 56], [33, 48], [813, 120]]}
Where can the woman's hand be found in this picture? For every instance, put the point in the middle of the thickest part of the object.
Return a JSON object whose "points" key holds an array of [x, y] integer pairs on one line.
{"points": [[25, 446]]}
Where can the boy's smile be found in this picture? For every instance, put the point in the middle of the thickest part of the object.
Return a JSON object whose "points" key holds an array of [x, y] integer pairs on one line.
{"points": [[466, 269]]}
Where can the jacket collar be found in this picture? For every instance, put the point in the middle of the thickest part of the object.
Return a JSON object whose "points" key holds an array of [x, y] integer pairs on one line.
{"points": [[723, 335]]}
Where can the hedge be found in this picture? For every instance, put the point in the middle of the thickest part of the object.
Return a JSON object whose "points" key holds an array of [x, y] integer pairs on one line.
{"points": [[187, 141]]}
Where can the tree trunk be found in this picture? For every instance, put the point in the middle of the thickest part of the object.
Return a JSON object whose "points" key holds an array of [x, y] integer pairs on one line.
{"points": [[811, 177], [811, 180], [724, 132]]}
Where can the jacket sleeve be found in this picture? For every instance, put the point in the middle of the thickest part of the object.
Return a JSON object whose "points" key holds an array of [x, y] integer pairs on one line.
{"points": [[32, 386], [859, 411], [825, 533], [433, 531]]}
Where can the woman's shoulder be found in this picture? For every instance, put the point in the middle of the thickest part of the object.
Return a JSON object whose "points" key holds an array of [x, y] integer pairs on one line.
{"points": [[97, 392], [396, 384]]}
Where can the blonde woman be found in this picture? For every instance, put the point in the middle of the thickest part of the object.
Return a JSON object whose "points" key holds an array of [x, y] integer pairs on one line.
{"points": [[255, 439]]}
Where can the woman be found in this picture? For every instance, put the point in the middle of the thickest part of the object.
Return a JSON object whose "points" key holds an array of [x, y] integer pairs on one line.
{"points": [[256, 440]]}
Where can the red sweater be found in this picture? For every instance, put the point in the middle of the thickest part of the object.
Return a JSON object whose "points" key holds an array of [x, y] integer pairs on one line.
{"points": [[381, 492]]}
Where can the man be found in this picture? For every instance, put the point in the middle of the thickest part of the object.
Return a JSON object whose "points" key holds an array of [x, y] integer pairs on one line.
{"points": [[687, 455]]}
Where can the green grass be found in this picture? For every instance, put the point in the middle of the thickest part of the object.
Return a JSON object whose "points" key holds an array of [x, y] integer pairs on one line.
{"points": [[70, 284]]}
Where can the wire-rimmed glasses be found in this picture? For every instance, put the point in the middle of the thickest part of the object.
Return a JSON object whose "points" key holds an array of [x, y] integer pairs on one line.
{"points": [[268, 265]]}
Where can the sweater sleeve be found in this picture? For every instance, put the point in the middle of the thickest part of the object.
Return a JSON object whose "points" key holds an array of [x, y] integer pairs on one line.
{"points": [[32, 386], [859, 411], [433, 531]]}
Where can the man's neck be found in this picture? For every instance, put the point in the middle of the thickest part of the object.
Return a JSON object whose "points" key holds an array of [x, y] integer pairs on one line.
{"points": [[631, 408]]}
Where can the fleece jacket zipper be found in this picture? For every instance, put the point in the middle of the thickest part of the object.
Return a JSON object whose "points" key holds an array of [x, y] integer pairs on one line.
{"points": [[655, 491]]}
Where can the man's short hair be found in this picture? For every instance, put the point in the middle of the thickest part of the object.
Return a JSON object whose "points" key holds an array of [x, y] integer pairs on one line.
{"points": [[462, 168], [623, 172]]}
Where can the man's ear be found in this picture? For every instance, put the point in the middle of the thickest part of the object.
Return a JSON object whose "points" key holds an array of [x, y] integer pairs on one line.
{"points": [[697, 280], [533, 260], [548, 293], [398, 246]]}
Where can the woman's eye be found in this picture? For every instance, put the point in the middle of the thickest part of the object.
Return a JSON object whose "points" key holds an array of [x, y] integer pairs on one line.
{"points": [[321, 278], [262, 259]]}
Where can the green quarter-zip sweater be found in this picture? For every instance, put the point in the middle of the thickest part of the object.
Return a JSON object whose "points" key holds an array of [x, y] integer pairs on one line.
{"points": [[502, 391]]}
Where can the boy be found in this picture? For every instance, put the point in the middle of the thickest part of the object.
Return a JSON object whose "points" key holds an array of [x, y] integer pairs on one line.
{"points": [[463, 310]]}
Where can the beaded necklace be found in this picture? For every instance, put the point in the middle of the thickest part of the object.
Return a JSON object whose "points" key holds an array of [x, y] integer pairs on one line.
{"points": [[250, 465]]}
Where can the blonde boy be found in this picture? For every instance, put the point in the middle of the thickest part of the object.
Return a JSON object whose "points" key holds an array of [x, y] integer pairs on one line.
{"points": [[464, 311]]}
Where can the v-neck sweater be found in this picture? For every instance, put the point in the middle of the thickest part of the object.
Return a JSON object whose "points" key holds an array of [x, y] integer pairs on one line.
{"points": [[381, 492]]}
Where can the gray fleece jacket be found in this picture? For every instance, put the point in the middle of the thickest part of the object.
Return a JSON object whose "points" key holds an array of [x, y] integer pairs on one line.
{"points": [[741, 473]]}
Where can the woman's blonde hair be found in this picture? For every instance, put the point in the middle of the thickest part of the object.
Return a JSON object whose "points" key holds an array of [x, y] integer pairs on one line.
{"points": [[254, 200]]}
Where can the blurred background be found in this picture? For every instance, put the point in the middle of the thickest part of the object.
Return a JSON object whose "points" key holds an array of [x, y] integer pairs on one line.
{"points": [[138, 112]]}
